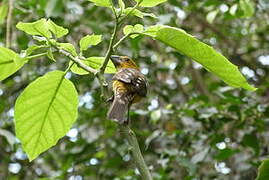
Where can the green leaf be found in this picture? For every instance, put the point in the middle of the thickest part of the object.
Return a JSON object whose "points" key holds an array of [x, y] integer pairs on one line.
{"points": [[31, 49], [138, 13], [68, 47], [150, 3], [200, 52], [263, 173], [211, 16], [43, 28], [10, 62], [247, 8], [89, 40], [121, 5], [252, 141], [225, 154], [104, 3], [138, 28], [233, 9], [50, 55], [44, 112], [58, 31], [3, 12], [39, 28], [94, 62]]}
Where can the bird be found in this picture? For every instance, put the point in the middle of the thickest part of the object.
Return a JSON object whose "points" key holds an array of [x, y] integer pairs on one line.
{"points": [[129, 86]]}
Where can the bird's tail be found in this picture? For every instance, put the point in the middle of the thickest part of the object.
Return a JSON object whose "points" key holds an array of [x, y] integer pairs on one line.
{"points": [[118, 109]]}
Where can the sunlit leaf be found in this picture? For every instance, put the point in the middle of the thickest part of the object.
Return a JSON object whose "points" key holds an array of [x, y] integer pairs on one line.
{"points": [[10, 62], [211, 16], [44, 112], [39, 28], [121, 4], [200, 52], [150, 3], [247, 8], [89, 40], [58, 31], [43, 28], [94, 62], [50, 55], [68, 47], [138, 28]]}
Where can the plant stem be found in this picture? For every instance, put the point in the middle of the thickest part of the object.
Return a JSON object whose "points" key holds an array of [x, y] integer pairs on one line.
{"points": [[77, 61], [133, 8], [138, 158], [36, 55], [110, 48], [120, 41], [9, 21]]}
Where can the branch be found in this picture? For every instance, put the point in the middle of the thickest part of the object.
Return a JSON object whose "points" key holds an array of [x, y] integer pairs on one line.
{"points": [[9, 21], [36, 56], [110, 48], [77, 61], [138, 158]]}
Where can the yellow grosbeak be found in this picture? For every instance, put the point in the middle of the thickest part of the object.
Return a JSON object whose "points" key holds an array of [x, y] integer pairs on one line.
{"points": [[129, 86]]}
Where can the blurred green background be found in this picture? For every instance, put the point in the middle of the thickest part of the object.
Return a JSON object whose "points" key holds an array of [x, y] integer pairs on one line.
{"points": [[191, 126]]}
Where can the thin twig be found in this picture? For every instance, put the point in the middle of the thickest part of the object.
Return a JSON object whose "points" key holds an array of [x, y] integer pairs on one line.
{"points": [[134, 146], [77, 61], [37, 55], [9, 22]]}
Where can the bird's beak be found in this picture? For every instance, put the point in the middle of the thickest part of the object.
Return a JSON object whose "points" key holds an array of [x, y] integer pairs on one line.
{"points": [[115, 59]]}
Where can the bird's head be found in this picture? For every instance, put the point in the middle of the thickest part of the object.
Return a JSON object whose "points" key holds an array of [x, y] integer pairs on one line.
{"points": [[123, 62]]}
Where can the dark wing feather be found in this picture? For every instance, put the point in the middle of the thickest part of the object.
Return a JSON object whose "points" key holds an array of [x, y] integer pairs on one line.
{"points": [[133, 77]]}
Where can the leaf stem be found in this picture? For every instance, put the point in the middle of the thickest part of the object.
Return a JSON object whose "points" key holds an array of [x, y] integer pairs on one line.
{"points": [[36, 55], [9, 22], [132, 10], [138, 158], [122, 39]]}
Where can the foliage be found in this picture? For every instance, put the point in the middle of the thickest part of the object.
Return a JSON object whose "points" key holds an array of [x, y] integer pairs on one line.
{"points": [[192, 124]]}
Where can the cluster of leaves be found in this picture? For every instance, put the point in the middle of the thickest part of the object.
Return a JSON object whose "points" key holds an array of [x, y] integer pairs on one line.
{"points": [[58, 112]]}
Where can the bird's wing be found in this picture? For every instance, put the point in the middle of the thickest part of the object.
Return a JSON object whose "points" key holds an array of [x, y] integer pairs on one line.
{"points": [[133, 77]]}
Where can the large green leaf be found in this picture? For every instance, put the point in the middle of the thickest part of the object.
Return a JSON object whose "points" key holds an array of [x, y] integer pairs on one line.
{"points": [[200, 52], [263, 173], [44, 112], [104, 3], [10, 62], [94, 62], [150, 3]]}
